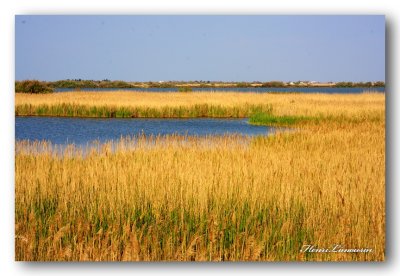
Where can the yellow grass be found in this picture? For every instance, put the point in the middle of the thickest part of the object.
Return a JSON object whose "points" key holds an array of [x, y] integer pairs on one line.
{"points": [[212, 198], [284, 104]]}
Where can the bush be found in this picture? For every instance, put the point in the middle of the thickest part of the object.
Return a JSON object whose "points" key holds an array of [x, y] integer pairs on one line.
{"points": [[344, 84], [32, 86], [273, 84]]}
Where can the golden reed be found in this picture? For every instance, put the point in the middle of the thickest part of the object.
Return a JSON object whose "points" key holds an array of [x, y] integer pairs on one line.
{"points": [[212, 198]]}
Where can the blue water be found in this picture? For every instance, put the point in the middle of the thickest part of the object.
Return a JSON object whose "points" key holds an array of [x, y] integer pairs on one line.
{"points": [[326, 90], [81, 131]]}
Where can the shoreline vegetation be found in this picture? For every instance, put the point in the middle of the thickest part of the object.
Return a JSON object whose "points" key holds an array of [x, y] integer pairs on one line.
{"points": [[227, 198], [275, 109], [35, 86]]}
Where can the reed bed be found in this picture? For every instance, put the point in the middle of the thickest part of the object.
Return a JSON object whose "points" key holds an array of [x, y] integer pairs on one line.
{"points": [[227, 198], [203, 104], [195, 111]]}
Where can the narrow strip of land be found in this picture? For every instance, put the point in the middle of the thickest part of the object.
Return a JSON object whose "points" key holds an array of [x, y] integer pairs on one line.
{"points": [[269, 108]]}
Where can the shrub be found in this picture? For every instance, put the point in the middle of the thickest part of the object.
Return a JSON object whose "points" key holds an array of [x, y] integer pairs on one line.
{"points": [[32, 86], [344, 84], [379, 83], [273, 84]]}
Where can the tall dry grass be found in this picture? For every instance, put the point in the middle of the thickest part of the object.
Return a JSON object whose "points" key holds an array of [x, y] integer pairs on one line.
{"points": [[210, 104], [213, 198]]}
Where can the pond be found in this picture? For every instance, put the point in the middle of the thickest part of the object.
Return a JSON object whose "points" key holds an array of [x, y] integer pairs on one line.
{"points": [[81, 131]]}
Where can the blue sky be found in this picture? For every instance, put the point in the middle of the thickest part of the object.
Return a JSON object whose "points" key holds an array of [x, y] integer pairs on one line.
{"points": [[226, 48]]}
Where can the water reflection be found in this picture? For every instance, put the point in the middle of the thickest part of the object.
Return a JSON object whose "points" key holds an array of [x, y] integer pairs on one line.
{"points": [[81, 131]]}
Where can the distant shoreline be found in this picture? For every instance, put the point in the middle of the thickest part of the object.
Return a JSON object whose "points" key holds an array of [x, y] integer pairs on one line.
{"points": [[117, 84]]}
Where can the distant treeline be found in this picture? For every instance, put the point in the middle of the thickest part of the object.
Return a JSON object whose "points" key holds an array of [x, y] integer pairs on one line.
{"points": [[35, 86], [78, 83], [360, 84]]}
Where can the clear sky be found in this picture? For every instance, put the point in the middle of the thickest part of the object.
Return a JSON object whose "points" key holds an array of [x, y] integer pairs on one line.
{"points": [[226, 48]]}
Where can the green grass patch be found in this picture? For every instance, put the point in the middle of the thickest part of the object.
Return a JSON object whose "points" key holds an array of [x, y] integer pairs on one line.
{"points": [[262, 118]]}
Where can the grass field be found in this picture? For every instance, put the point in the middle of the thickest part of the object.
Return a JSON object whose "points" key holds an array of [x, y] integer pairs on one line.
{"points": [[210, 198]]}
